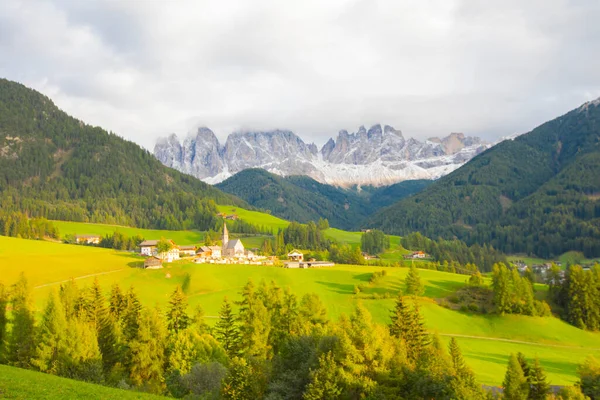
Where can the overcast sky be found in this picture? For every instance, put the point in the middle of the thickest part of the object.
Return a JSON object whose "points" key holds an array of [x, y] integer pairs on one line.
{"points": [[144, 69]]}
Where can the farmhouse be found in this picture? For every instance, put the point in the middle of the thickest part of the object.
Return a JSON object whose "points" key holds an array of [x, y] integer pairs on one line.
{"points": [[295, 255], [153, 263], [148, 248], [187, 250], [87, 239]]}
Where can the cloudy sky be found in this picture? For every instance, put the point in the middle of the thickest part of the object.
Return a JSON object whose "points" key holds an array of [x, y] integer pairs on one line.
{"points": [[144, 69]]}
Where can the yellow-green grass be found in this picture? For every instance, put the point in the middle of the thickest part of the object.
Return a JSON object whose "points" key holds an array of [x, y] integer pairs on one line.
{"points": [[16, 383], [84, 228], [255, 217], [559, 346]]}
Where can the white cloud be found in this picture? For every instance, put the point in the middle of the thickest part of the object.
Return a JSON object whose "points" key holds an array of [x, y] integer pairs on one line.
{"points": [[144, 69]]}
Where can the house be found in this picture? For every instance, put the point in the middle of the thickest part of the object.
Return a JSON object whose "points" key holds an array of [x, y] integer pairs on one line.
{"points": [[148, 247], [419, 254], [169, 256], [153, 262], [215, 251], [87, 239], [295, 255], [366, 230], [187, 251]]}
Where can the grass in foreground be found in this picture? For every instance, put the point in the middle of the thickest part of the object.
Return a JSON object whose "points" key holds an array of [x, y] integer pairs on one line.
{"points": [[559, 346], [16, 383]]}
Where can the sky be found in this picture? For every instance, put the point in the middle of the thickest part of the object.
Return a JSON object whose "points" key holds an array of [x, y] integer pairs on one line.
{"points": [[145, 69]]}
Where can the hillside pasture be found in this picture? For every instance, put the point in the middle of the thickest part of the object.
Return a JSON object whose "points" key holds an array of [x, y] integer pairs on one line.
{"points": [[255, 217], [487, 340]]}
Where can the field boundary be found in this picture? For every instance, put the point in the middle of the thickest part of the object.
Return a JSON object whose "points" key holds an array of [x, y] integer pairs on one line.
{"points": [[517, 341], [78, 277]]}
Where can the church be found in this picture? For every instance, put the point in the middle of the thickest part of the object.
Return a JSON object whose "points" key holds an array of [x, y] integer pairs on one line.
{"points": [[233, 248]]}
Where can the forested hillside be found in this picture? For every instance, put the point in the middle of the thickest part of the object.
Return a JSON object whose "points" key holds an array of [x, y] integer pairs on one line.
{"points": [[302, 199], [537, 194], [55, 166]]}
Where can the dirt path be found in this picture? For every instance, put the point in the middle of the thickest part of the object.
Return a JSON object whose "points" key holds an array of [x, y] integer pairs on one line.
{"points": [[79, 277], [517, 341]]}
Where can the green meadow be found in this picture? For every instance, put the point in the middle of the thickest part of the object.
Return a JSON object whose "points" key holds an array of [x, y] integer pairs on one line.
{"points": [[16, 383], [84, 228], [255, 217], [559, 346]]}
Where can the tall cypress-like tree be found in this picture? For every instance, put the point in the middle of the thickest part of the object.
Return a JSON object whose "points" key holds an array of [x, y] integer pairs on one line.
{"points": [[148, 352], [413, 284], [21, 343], [399, 317], [539, 388], [118, 302], [177, 317], [51, 340], [131, 315], [226, 329], [515, 384], [3, 320], [462, 371]]}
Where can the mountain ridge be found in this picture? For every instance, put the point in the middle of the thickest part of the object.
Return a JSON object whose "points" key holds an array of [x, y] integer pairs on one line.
{"points": [[378, 156]]}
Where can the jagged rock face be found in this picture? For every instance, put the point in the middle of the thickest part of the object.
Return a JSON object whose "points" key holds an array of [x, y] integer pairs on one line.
{"points": [[377, 156]]}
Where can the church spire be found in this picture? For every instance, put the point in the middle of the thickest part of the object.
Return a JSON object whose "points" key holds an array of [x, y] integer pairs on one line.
{"points": [[225, 238]]}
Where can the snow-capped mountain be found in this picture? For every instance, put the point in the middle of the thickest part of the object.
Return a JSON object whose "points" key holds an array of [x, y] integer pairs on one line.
{"points": [[378, 156]]}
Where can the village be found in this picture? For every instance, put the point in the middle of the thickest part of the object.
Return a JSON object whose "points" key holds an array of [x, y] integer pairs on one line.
{"points": [[231, 251]]}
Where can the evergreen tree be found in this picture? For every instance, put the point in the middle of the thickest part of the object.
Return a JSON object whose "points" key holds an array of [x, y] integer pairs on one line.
{"points": [[197, 320], [3, 320], [462, 371], [70, 298], [51, 338], [589, 377], [413, 284], [515, 384], [524, 365], [110, 342], [243, 382], [148, 352], [254, 324], [131, 315], [539, 388], [226, 329], [324, 381], [177, 317], [21, 342], [117, 301], [416, 336], [399, 318]]}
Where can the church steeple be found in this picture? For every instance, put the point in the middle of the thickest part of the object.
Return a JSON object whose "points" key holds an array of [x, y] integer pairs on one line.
{"points": [[225, 237]]}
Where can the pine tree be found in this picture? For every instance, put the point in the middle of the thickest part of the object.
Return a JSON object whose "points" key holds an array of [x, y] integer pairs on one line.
{"points": [[70, 299], [515, 384], [399, 318], [3, 321], [254, 323], [109, 342], [21, 342], [226, 330], [131, 315], [198, 322], [117, 301], [462, 371], [524, 365], [539, 388], [413, 284], [51, 346], [148, 352], [177, 317], [97, 303], [324, 381]]}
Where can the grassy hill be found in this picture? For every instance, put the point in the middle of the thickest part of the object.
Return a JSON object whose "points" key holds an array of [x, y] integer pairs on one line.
{"points": [[559, 346], [16, 383], [303, 199], [536, 194], [55, 166]]}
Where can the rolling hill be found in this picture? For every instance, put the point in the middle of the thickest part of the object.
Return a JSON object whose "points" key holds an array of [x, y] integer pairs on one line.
{"points": [[303, 199], [55, 166], [536, 194]]}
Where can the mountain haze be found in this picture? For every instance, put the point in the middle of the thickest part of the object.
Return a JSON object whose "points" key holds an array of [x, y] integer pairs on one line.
{"points": [[538, 193]]}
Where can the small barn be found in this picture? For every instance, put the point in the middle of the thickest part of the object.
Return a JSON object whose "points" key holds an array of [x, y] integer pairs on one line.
{"points": [[153, 263]]}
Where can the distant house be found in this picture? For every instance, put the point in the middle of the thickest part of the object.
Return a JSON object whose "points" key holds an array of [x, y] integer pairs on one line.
{"points": [[87, 239], [216, 251], [366, 230], [148, 247], [187, 250], [419, 254], [295, 255], [209, 252], [153, 263]]}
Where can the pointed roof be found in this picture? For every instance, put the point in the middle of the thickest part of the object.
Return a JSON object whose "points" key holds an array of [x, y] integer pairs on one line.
{"points": [[225, 232]]}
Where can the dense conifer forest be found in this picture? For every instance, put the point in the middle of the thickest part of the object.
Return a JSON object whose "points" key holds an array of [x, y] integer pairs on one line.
{"points": [[57, 167], [537, 194], [271, 345]]}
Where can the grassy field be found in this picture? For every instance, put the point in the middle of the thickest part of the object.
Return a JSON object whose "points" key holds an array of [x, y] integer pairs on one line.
{"points": [[559, 346], [16, 383], [255, 217], [83, 228]]}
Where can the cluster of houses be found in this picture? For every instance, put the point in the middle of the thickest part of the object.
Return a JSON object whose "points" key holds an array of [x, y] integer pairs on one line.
{"points": [[230, 252], [296, 260]]}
